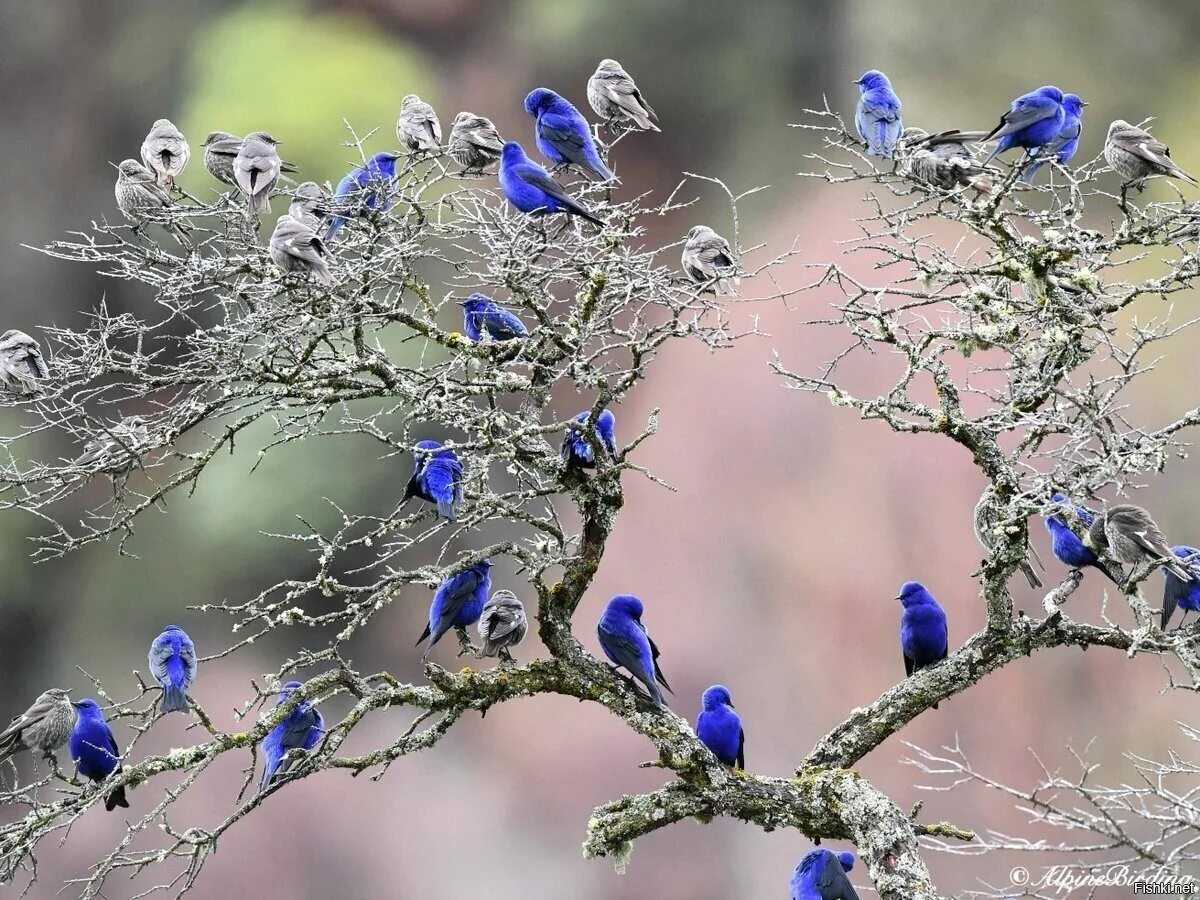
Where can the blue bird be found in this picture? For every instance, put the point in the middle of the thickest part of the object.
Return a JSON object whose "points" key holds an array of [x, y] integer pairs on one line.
{"points": [[924, 638], [173, 665], [877, 116], [529, 187], [720, 728], [1067, 547], [94, 749], [457, 603], [577, 449], [1066, 142], [821, 875], [299, 730], [562, 133], [483, 314], [1176, 591], [1032, 121], [437, 477], [624, 640], [368, 186]]}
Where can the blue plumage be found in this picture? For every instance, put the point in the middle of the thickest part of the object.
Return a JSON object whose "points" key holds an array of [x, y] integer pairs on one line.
{"points": [[457, 603], [482, 314], [365, 187], [624, 640], [1066, 142], [821, 875], [562, 133], [877, 116], [172, 661], [1176, 591], [300, 730], [1032, 121], [529, 187], [924, 637], [720, 728], [94, 749], [577, 448], [437, 477]]}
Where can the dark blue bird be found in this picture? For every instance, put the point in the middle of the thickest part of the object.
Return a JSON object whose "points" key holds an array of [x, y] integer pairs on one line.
{"points": [[366, 187], [1033, 121], [720, 728], [94, 749], [1177, 592], [924, 638], [1066, 142], [577, 448], [1066, 546], [563, 135], [300, 730], [437, 477], [173, 665], [529, 187], [482, 314], [821, 875], [877, 116], [457, 603], [624, 640]]}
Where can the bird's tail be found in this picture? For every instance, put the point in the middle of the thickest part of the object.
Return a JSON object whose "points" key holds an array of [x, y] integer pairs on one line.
{"points": [[1186, 177], [324, 276], [1030, 575], [1030, 171], [445, 507], [173, 699], [577, 210], [272, 765], [334, 227], [116, 798]]}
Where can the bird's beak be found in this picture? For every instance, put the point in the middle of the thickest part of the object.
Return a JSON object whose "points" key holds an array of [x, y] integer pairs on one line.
{"points": [[1085, 103], [899, 598], [856, 81]]}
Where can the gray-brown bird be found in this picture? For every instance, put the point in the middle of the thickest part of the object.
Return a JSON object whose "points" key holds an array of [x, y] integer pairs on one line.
{"points": [[45, 726], [502, 623], [474, 142], [310, 204], [985, 523], [296, 247], [1127, 534], [1136, 155], [220, 150], [616, 98], [165, 152], [418, 127], [142, 199], [116, 449], [708, 260], [22, 367], [256, 168]]}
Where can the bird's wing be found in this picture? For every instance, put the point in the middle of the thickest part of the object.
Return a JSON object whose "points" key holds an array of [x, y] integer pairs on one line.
{"points": [[503, 623], [624, 650], [657, 669], [226, 146], [623, 92], [881, 106], [187, 653], [560, 131], [832, 882], [741, 753], [160, 654], [537, 177], [1142, 143], [908, 665]]}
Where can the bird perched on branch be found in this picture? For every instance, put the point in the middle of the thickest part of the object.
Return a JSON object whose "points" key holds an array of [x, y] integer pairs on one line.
{"points": [[310, 204], [944, 161], [1032, 121], [172, 661], [457, 603], [116, 449], [1065, 143], [474, 142], [1127, 534], [624, 640], [483, 315], [300, 730], [615, 97], [418, 128], [1185, 594], [1135, 154], [367, 187], [821, 875], [708, 260], [141, 199], [437, 477], [220, 150], [95, 751], [44, 727], [985, 522], [256, 169], [1067, 546], [22, 367], [502, 624], [877, 116], [719, 728], [924, 637], [577, 449], [529, 187], [562, 134], [165, 152], [296, 247]]}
